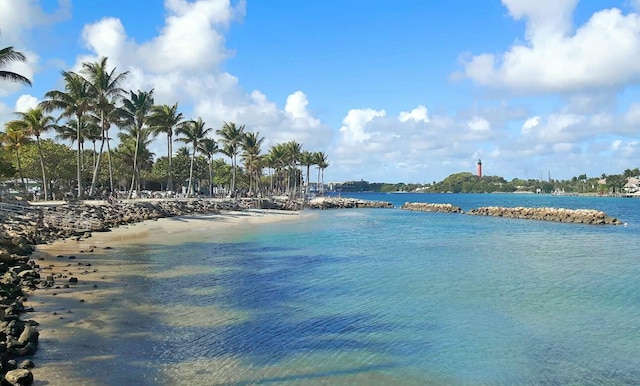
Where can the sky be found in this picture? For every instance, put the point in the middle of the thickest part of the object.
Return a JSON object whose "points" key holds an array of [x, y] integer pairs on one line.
{"points": [[392, 91]]}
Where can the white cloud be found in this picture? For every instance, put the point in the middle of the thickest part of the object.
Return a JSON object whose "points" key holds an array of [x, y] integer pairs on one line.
{"points": [[530, 123], [602, 53], [296, 108], [353, 129], [477, 124], [26, 102], [419, 114]]}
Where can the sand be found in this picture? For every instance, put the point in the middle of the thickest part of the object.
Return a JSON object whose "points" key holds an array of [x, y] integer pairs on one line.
{"points": [[76, 323]]}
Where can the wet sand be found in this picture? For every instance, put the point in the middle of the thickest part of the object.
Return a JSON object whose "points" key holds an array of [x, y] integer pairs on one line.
{"points": [[81, 325]]}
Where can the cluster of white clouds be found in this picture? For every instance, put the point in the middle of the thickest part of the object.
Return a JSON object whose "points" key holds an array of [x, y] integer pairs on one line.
{"points": [[585, 66]]}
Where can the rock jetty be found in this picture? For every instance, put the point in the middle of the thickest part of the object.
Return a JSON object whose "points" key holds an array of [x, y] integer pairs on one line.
{"points": [[579, 216], [430, 207], [344, 203]]}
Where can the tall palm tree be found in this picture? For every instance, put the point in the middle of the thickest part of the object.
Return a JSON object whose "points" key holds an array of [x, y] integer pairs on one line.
{"points": [[136, 111], [8, 55], [276, 159], [209, 148], [35, 122], [192, 132], [231, 137], [292, 157], [134, 148], [306, 159], [251, 143], [164, 119], [14, 139], [74, 102], [105, 90], [321, 160]]}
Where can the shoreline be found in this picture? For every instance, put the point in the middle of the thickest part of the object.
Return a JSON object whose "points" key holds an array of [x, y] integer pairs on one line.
{"points": [[79, 320]]}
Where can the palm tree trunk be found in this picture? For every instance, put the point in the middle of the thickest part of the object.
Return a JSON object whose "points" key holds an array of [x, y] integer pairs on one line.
{"points": [[169, 151], [24, 186], [233, 179], [109, 160], [79, 171], [44, 176], [211, 176], [135, 164], [97, 166], [193, 157]]}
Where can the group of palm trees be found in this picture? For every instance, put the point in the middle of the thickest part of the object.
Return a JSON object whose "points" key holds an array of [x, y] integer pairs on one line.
{"points": [[93, 102]]}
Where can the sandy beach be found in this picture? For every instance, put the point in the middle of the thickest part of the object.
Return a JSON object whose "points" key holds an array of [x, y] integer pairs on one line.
{"points": [[77, 323]]}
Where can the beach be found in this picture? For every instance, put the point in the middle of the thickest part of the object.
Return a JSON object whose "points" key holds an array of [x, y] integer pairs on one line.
{"points": [[81, 324]]}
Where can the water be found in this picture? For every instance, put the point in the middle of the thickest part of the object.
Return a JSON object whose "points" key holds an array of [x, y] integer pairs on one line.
{"points": [[385, 296]]}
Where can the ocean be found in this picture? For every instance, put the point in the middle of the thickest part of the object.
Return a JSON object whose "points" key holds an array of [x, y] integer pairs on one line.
{"points": [[391, 297]]}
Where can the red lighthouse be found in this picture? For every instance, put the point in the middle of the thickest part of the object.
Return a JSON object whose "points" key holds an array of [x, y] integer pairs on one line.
{"points": [[479, 168]]}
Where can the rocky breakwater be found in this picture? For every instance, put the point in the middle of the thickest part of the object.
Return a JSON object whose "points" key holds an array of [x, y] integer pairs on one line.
{"points": [[578, 216], [18, 337], [344, 203], [429, 207]]}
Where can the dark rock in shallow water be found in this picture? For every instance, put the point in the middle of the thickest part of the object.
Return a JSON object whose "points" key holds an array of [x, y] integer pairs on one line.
{"points": [[18, 377]]}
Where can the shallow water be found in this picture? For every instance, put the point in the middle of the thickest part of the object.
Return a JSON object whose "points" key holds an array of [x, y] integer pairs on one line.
{"points": [[385, 296]]}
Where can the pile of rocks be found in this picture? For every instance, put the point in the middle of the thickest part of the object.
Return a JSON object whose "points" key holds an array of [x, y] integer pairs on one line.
{"points": [[580, 216], [429, 207], [344, 203]]}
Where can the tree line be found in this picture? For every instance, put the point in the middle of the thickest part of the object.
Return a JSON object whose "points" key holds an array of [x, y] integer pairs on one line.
{"points": [[93, 104]]}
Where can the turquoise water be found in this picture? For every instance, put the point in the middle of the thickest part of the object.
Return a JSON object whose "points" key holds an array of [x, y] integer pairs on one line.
{"points": [[385, 296]]}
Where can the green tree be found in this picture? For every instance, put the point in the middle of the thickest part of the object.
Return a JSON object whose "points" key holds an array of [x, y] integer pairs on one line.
{"points": [[35, 122], [192, 132], [209, 148], [105, 91], [136, 111], [14, 140], [322, 161], [9, 55], [231, 137], [251, 142], [163, 120], [307, 159], [73, 102]]}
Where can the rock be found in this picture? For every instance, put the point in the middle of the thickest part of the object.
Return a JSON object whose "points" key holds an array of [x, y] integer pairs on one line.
{"points": [[26, 364], [429, 207], [18, 377]]}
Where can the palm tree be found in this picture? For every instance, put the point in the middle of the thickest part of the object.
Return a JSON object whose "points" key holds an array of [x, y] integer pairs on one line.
{"points": [[276, 160], [322, 162], [14, 139], [307, 159], [292, 156], [74, 102], [35, 122], [209, 147], [134, 149], [231, 137], [192, 132], [251, 152], [8, 55], [136, 111], [105, 90], [164, 119]]}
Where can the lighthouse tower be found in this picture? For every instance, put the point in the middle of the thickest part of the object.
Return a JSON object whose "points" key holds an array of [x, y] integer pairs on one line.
{"points": [[479, 168]]}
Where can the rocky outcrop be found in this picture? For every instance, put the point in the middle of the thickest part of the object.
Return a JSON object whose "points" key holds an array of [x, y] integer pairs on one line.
{"points": [[580, 216], [344, 203], [429, 207]]}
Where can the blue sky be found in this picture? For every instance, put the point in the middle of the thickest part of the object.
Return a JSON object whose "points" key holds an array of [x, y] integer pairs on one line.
{"points": [[406, 91]]}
